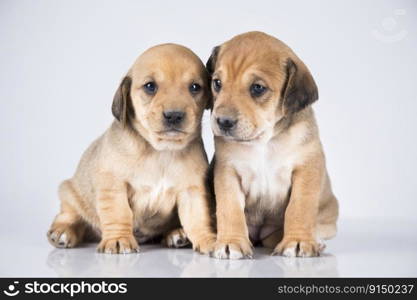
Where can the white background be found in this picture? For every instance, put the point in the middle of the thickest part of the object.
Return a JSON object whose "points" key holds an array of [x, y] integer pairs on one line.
{"points": [[61, 62]]}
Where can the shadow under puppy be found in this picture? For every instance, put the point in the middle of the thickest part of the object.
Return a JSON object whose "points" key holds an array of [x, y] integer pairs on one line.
{"points": [[145, 176], [270, 178]]}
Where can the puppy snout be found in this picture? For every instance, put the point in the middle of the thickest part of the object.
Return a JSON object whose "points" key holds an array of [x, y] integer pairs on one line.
{"points": [[226, 124], [173, 117]]}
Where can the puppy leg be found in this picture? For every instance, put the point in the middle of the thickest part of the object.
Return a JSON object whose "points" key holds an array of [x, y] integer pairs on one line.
{"points": [[68, 229], [116, 217], [301, 214], [328, 212], [176, 239], [193, 211], [232, 231]]}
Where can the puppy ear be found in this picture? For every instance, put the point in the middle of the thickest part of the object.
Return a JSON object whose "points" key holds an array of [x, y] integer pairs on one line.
{"points": [[122, 103], [209, 104], [299, 90], [211, 62], [211, 66]]}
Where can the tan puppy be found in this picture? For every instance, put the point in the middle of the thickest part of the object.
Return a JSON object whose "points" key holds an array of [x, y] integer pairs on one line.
{"points": [[147, 172], [270, 178]]}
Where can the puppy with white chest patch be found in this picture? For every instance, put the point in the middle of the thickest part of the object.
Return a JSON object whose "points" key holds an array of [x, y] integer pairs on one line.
{"points": [[145, 176], [270, 178]]}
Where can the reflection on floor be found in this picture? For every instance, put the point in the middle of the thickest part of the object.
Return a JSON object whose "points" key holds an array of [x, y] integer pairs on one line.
{"points": [[156, 262], [362, 248]]}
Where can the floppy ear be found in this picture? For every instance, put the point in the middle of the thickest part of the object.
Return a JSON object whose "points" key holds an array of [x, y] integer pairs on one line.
{"points": [[209, 104], [299, 90], [122, 103], [211, 66], [211, 62]]}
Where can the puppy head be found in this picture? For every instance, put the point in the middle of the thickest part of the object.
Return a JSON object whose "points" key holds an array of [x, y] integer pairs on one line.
{"points": [[256, 81], [163, 96]]}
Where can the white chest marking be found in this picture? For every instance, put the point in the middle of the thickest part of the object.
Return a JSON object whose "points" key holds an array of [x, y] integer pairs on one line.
{"points": [[154, 185], [266, 175]]}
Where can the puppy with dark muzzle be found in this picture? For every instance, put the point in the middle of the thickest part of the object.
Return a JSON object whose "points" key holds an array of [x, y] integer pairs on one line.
{"points": [[145, 176], [270, 178]]}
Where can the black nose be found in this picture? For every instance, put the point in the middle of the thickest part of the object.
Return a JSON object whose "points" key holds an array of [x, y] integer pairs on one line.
{"points": [[173, 117], [226, 124]]}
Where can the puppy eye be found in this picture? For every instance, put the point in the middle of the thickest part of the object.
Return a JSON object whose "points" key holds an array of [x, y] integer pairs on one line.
{"points": [[217, 85], [257, 90], [195, 88], [150, 87]]}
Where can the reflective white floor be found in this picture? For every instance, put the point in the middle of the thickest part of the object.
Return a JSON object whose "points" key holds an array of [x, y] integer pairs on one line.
{"points": [[372, 248]]}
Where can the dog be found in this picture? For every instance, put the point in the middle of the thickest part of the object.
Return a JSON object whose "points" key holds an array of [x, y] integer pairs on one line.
{"points": [[270, 179], [146, 175]]}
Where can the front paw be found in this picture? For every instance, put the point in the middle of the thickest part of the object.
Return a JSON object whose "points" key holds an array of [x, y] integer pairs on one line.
{"points": [[123, 245], [298, 247], [205, 245], [176, 239], [233, 249], [63, 236]]}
